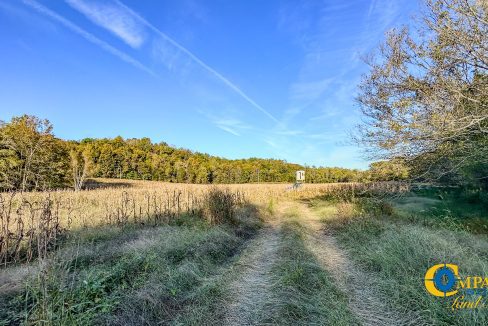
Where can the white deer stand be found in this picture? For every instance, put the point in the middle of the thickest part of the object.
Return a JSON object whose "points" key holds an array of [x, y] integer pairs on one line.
{"points": [[300, 179]]}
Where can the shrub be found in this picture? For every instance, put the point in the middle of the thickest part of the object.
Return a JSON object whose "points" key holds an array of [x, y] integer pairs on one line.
{"points": [[375, 207], [386, 208], [346, 210], [219, 206]]}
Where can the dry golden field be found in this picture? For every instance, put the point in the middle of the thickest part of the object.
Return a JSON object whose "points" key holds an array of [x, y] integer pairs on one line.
{"points": [[35, 219], [109, 201], [124, 251]]}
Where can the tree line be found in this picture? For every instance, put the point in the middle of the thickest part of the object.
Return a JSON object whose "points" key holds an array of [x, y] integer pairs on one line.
{"points": [[32, 158]]}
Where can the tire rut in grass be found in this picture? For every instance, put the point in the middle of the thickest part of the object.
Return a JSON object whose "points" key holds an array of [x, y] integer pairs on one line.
{"points": [[364, 301], [250, 288]]}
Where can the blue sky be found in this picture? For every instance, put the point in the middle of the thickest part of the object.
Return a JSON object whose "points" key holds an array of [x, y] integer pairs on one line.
{"points": [[237, 79]]}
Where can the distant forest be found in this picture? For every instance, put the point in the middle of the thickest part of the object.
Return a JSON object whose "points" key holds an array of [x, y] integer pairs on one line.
{"points": [[31, 158], [142, 159]]}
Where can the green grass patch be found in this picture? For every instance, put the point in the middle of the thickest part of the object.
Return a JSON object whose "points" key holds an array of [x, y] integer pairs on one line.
{"points": [[305, 294], [462, 206], [399, 252]]}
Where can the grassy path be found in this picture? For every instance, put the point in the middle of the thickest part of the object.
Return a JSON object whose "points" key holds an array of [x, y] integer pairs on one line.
{"points": [[277, 281], [250, 288], [364, 301]]}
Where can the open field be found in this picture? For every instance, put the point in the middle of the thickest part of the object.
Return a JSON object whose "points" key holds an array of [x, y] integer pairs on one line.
{"points": [[147, 253], [253, 163], [33, 221]]}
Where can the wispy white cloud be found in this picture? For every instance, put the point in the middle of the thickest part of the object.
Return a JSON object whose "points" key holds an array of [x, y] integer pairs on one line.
{"points": [[317, 149], [384, 12], [323, 136], [381, 16], [342, 101], [135, 30], [328, 34], [323, 65], [372, 7], [89, 37], [231, 125], [289, 132], [198, 61], [326, 114], [272, 143], [310, 90], [232, 122], [25, 15], [322, 97], [114, 18], [229, 130], [172, 58]]}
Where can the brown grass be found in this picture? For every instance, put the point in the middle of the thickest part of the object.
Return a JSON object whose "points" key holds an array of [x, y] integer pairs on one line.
{"points": [[32, 222]]}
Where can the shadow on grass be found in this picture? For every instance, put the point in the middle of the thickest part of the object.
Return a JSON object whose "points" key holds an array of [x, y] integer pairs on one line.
{"points": [[92, 184], [128, 275], [304, 293]]}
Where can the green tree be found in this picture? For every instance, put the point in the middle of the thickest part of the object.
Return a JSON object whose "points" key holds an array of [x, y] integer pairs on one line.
{"points": [[33, 158], [425, 99], [388, 171]]}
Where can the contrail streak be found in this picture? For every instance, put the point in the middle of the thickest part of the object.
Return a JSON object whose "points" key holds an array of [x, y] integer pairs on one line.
{"points": [[200, 62], [89, 37]]}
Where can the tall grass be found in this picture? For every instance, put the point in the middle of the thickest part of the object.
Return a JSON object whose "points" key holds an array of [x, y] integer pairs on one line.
{"points": [[28, 228], [399, 250], [219, 205], [147, 279], [31, 223]]}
